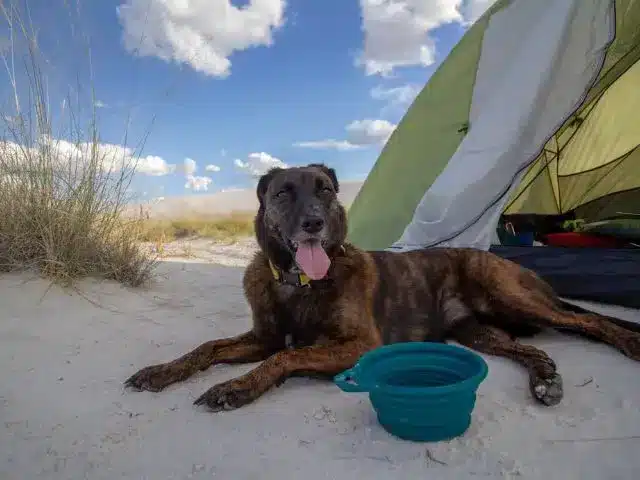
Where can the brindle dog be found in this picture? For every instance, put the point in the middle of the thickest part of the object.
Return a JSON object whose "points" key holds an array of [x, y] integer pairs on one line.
{"points": [[334, 301]]}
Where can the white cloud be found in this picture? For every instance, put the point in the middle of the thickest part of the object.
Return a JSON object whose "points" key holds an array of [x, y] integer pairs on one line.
{"points": [[154, 165], [197, 184], [473, 9], [360, 134], [189, 166], [330, 143], [200, 33], [400, 97], [112, 157], [212, 168], [397, 32], [258, 164], [369, 132]]}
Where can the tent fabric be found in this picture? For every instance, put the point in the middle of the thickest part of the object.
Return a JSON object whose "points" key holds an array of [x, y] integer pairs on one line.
{"points": [[532, 111], [519, 101], [598, 156], [421, 145]]}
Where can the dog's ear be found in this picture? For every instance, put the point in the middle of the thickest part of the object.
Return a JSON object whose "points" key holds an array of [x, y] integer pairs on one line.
{"points": [[330, 172], [264, 181]]}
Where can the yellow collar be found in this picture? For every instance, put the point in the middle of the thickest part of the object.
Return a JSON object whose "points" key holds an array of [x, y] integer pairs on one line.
{"points": [[293, 278]]}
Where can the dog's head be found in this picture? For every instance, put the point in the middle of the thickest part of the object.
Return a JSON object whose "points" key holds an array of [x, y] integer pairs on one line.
{"points": [[300, 218]]}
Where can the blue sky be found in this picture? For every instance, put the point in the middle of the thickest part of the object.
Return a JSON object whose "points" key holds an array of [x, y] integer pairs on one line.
{"points": [[240, 86]]}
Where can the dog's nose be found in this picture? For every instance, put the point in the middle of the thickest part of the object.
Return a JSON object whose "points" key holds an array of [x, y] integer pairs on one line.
{"points": [[312, 224]]}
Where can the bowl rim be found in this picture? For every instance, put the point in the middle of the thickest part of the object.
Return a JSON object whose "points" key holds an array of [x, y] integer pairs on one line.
{"points": [[469, 383]]}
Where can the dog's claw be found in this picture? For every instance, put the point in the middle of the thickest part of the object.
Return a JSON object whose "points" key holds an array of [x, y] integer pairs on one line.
{"points": [[152, 379], [548, 391], [226, 396]]}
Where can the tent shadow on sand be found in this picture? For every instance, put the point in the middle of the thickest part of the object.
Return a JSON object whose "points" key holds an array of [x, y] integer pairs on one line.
{"points": [[65, 414]]}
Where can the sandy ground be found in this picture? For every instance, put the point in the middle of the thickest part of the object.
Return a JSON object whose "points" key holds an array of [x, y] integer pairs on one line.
{"points": [[220, 203], [201, 250], [65, 415]]}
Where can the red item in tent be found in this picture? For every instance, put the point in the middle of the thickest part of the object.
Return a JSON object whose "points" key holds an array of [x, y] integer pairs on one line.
{"points": [[576, 239]]}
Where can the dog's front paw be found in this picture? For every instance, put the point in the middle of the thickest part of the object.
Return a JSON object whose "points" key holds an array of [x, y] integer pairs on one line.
{"points": [[227, 396], [154, 378]]}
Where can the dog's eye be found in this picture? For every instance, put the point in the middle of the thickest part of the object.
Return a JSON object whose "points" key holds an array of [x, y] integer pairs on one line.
{"points": [[281, 193], [327, 190]]}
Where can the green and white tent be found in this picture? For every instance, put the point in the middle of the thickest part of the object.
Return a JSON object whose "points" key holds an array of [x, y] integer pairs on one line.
{"points": [[535, 110]]}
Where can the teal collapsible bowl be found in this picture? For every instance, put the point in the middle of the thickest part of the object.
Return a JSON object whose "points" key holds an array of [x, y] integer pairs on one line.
{"points": [[421, 391]]}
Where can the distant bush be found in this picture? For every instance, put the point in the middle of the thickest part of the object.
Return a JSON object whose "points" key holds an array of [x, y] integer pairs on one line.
{"points": [[225, 228]]}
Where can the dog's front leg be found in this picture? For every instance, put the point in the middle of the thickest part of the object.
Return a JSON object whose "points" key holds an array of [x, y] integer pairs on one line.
{"points": [[243, 348], [327, 359]]}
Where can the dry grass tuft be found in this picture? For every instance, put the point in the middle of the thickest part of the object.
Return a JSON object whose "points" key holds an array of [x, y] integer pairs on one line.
{"points": [[61, 201], [66, 230]]}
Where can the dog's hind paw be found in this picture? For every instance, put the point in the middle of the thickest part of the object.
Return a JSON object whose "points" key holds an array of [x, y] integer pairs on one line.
{"points": [[548, 391]]}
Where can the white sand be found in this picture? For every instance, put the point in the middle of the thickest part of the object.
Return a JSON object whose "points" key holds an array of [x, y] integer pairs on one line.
{"points": [[65, 415], [222, 203]]}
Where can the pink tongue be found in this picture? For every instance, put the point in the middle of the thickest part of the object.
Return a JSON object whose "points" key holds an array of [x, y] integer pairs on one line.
{"points": [[313, 260]]}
